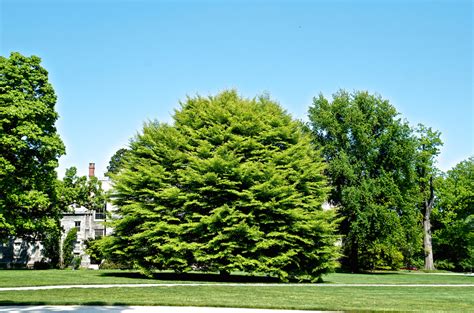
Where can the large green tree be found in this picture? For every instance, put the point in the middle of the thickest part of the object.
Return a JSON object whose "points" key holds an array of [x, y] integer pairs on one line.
{"points": [[371, 156], [29, 149], [232, 184], [453, 215]]}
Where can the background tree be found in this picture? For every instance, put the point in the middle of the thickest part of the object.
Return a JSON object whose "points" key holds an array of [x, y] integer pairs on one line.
{"points": [[68, 247], [73, 192], [428, 149], [29, 149], [453, 215], [116, 162], [80, 191], [233, 184], [370, 154]]}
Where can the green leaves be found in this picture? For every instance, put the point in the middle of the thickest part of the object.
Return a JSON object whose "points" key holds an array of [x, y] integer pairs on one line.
{"points": [[453, 235], [371, 156], [233, 184], [29, 149]]}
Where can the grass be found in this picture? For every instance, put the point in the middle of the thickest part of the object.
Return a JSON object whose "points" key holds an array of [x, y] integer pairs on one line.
{"points": [[283, 296], [411, 278]]}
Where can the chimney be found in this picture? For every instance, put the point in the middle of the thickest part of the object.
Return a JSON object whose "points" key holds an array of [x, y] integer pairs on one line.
{"points": [[91, 170]]}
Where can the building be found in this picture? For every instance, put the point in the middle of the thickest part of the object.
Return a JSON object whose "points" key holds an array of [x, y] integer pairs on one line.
{"points": [[89, 223]]}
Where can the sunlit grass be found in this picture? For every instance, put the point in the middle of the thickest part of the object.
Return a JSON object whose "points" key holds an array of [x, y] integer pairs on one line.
{"points": [[282, 297], [287, 296]]}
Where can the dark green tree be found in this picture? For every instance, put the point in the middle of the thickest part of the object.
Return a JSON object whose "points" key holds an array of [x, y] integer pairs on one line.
{"points": [[68, 247], [233, 184], [370, 154], [116, 162], [453, 215], [29, 149]]}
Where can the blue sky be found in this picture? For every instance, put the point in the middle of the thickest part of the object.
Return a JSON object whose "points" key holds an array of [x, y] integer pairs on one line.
{"points": [[117, 64]]}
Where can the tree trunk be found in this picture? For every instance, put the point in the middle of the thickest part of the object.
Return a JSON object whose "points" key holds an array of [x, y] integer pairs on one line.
{"points": [[428, 207]]}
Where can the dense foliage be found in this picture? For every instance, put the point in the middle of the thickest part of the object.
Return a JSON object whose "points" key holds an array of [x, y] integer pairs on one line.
{"points": [[68, 247], [236, 184], [116, 162], [453, 236], [371, 157], [80, 191], [29, 149], [73, 191], [233, 184]]}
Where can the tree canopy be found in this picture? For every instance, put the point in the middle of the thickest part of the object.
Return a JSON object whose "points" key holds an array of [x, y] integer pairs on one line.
{"points": [[371, 155], [29, 149], [453, 235], [116, 161], [232, 184]]}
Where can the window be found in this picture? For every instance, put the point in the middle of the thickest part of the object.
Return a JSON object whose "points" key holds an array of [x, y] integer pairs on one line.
{"points": [[98, 233], [100, 213], [77, 246], [77, 224]]}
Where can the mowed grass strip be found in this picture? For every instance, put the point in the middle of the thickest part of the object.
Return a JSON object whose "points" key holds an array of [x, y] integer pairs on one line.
{"points": [[402, 278], [433, 299], [23, 278]]}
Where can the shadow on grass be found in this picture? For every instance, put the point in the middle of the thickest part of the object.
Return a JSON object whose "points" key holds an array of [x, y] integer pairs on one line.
{"points": [[89, 307], [202, 277], [116, 307], [375, 272]]}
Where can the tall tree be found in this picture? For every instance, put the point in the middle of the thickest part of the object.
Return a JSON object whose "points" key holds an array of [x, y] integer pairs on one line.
{"points": [[428, 149], [29, 149], [453, 215], [233, 184], [370, 154]]}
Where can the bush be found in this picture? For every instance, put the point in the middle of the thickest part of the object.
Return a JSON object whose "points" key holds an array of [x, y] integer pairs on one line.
{"points": [[444, 265], [68, 247], [76, 262], [110, 265]]}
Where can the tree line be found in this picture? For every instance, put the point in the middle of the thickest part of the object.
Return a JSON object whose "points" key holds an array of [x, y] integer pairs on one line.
{"points": [[236, 184]]}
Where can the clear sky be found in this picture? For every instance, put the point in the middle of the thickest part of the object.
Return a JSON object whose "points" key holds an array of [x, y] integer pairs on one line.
{"points": [[117, 64]]}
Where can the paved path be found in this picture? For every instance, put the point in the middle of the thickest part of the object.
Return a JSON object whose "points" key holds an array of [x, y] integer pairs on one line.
{"points": [[229, 285], [140, 309]]}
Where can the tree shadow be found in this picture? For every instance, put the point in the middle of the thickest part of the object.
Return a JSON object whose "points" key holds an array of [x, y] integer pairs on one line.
{"points": [[86, 307], [201, 277], [368, 272]]}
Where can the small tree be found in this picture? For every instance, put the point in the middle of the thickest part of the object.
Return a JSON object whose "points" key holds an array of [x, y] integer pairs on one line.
{"points": [[68, 247], [233, 184]]}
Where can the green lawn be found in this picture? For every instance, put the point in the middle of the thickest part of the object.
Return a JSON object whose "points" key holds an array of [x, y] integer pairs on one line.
{"points": [[289, 296]]}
